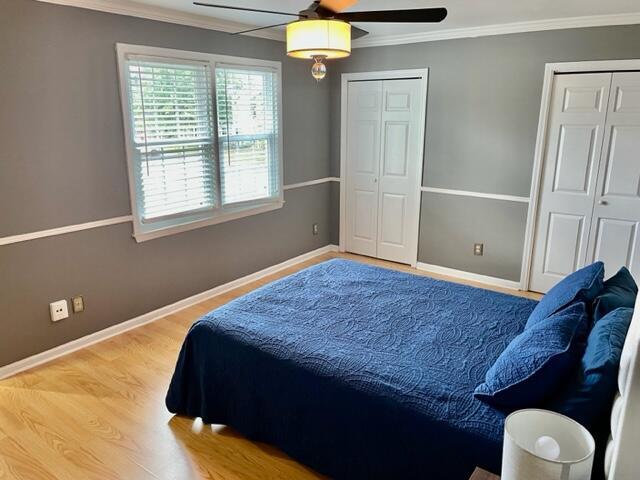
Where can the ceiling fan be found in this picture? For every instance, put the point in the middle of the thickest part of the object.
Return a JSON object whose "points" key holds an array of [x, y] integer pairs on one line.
{"points": [[323, 30]]}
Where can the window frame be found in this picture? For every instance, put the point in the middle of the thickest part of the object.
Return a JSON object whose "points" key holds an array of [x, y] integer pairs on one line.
{"points": [[182, 222]]}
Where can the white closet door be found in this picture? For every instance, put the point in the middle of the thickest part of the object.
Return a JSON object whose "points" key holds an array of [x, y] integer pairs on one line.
{"points": [[575, 133], [363, 160], [401, 157], [614, 237]]}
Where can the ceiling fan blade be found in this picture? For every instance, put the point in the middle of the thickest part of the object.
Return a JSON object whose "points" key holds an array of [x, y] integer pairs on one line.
{"points": [[416, 15], [337, 5], [259, 28], [357, 32], [228, 7]]}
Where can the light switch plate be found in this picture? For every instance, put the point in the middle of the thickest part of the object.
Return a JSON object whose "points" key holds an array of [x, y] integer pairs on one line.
{"points": [[59, 310], [77, 303]]}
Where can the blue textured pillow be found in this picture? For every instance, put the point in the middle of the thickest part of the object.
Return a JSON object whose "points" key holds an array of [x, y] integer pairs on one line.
{"points": [[535, 362], [619, 291], [581, 285], [591, 390]]}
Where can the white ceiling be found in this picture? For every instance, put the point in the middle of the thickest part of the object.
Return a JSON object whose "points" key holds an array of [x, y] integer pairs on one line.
{"points": [[466, 17], [462, 13]]}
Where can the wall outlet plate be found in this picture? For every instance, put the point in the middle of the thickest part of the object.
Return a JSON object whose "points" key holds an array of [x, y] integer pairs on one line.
{"points": [[77, 303], [59, 310], [478, 249], [315, 229]]}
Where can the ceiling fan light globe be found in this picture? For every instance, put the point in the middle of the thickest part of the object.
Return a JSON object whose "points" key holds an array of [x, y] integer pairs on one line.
{"points": [[319, 38], [319, 70]]}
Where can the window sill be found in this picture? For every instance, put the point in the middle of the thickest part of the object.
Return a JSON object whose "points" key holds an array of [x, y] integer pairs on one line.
{"points": [[245, 211]]}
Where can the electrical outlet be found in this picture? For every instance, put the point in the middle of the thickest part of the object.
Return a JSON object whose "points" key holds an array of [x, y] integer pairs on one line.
{"points": [[478, 249], [77, 303], [59, 310], [315, 229]]}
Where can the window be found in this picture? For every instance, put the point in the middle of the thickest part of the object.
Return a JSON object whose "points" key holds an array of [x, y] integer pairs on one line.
{"points": [[172, 124], [203, 138], [247, 132]]}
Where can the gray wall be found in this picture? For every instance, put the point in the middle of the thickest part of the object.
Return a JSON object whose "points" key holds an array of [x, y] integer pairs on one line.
{"points": [[482, 115], [63, 162]]}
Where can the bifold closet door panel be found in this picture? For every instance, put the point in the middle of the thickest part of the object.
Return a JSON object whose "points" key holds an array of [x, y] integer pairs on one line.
{"points": [[575, 134], [614, 237], [363, 165], [401, 159]]}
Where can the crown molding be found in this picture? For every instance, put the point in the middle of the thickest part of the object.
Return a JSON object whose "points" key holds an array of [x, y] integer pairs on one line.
{"points": [[150, 12], [503, 29]]}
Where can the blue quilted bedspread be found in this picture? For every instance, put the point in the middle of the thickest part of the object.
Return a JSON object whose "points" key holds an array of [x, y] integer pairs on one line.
{"points": [[357, 371]]}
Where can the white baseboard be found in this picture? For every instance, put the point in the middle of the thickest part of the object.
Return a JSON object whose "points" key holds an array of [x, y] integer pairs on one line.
{"points": [[475, 277], [40, 358]]}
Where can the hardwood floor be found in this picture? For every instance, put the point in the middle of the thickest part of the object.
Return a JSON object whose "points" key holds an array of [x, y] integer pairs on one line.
{"points": [[99, 413]]}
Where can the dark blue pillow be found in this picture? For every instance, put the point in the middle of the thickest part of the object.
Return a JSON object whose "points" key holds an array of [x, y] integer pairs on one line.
{"points": [[619, 291], [582, 285], [535, 362], [589, 393]]}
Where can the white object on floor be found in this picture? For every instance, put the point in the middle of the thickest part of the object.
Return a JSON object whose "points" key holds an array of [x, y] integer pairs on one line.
{"points": [[621, 458], [544, 445]]}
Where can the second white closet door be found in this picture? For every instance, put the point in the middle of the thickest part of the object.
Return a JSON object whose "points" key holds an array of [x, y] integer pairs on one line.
{"points": [[384, 146], [614, 236], [590, 199], [398, 200], [576, 126], [363, 163]]}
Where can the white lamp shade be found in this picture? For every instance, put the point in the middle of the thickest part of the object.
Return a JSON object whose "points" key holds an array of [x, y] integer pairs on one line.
{"points": [[318, 38], [544, 445]]}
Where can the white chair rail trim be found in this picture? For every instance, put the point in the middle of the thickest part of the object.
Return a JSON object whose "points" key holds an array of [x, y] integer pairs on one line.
{"points": [[25, 237], [311, 182], [466, 193]]}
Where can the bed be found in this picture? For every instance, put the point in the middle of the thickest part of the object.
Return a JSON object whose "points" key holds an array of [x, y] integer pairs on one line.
{"points": [[356, 371]]}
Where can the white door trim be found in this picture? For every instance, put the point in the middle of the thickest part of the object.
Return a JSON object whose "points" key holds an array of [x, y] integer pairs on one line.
{"points": [[423, 74], [550, 70]]}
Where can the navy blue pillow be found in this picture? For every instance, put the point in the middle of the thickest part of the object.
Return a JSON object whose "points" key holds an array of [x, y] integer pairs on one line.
{"points": [[619, 291], [590, 392], [535, 362], [581, 285]]}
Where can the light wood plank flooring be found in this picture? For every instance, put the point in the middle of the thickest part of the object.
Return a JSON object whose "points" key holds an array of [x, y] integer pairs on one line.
{"points": [[99, 413]]}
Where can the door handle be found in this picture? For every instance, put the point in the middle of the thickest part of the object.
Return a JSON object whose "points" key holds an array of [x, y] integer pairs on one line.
{"points": [[375, 180], [603, 202]]}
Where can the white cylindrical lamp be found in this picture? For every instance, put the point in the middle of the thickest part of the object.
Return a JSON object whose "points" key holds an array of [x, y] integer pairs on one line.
{"points": [[544, 445]]}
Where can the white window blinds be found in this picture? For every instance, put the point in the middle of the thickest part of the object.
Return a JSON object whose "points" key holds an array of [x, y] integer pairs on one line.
{"points": [[172, 129], [246, 100], [203, 139]]}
